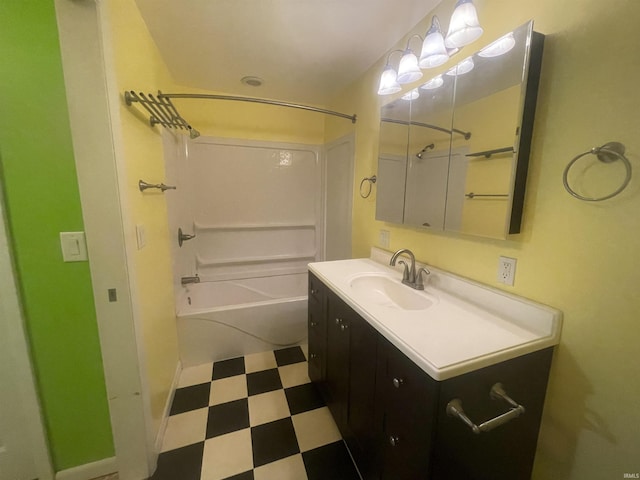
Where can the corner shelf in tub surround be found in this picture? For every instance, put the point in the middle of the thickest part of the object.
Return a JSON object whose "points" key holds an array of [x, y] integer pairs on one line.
{"points": [[443, 384]]}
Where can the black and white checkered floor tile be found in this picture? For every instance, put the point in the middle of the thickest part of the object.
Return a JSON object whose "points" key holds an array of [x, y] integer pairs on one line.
{"points": [[255, 417]]}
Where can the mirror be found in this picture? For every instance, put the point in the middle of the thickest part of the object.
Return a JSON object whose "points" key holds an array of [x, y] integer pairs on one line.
{"points": [[467, 136]]}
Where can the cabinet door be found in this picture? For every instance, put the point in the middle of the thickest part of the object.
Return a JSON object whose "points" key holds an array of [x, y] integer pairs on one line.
{"points": [[337, 374], [406, 399], [507, 452], [362, 381], [317, 331]]}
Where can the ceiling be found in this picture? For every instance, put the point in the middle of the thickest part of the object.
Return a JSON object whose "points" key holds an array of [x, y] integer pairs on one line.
{"points": [[306, 51]]}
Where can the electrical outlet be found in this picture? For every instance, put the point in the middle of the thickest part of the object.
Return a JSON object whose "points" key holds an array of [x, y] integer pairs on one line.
{"points": [[506, 270]]}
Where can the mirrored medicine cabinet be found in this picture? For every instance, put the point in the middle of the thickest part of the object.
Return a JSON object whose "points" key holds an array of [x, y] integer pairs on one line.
{"points": [[456, 157]]}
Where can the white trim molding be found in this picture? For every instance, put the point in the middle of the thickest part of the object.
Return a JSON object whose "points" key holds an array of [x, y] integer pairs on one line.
{"points": [[89, 471]]}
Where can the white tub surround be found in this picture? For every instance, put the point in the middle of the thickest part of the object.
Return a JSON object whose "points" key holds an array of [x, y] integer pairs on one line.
{"points": [[453, 327]]}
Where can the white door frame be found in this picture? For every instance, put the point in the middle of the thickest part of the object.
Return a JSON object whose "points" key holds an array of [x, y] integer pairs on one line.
{"points": [[28, 417], [348, 140], [93, 106]]}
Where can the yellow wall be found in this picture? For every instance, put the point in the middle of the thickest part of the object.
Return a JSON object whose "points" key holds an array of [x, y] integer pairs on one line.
{"points": [[138, 66], [579, 257]]}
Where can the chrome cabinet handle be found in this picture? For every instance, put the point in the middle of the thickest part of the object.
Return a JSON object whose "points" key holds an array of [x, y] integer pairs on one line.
{"points": [[313, 324], [343, 326], [454, 409], [313, 292], [338, 321], [394, 440], [398, 382], [313, 355]]}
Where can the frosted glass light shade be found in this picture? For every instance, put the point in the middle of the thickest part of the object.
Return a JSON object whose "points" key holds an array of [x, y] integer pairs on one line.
{"points": [[388, 82], [465, 66], [409, 71], [435, 82], [434, 53], [411, 94], [499, 47], [464, 26]]}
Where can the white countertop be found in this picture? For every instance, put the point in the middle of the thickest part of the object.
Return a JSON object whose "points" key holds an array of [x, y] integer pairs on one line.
{"points": [[469, 325]]}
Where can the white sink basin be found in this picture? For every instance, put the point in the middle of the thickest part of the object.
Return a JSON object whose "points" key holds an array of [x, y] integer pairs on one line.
{"points": [[385, 291]]}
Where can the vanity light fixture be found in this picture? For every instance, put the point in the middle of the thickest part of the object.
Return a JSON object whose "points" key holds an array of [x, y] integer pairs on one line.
{"points": [[499, 47], [434, 53], [465, 66], [389, 78], [435, 82], [464, 26], [411, 94]]}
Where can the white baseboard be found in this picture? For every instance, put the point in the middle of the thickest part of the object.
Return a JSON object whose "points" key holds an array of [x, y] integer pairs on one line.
{"points": [[89, 471], [167, 407]]}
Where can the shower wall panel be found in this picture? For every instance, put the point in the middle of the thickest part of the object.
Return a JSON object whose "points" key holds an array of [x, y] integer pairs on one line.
{"points": [[255, 208]]}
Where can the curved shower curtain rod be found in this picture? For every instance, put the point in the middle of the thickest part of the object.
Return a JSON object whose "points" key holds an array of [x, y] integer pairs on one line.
{"points": [[163, 111], [260, 100]]}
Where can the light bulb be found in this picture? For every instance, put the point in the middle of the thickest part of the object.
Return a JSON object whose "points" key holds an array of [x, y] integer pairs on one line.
{"points": [[435, 82], [388, 82], [411, 94], [434, 53], [409, 71], [499, 47], [464, 26], [465, 66]]}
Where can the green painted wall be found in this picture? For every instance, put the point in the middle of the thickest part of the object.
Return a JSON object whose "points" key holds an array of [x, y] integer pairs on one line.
{"points": [[39, 177]]}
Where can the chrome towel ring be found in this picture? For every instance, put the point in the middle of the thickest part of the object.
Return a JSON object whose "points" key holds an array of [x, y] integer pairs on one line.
{"points": [[607, 153], [372, 179]]}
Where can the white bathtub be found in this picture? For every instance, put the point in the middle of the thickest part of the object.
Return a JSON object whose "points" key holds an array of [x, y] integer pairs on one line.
{"points": [[226, 319]]}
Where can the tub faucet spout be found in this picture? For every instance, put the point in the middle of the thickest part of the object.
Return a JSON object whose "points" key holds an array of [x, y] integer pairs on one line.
{"points": [[187, 280]]}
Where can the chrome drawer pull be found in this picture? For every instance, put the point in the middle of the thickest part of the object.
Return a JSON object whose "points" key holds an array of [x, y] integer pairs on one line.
{"points": [[454, 409], [394, 440]]}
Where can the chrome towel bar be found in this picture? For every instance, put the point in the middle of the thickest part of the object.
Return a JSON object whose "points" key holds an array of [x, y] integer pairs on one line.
{"points": [[142, 185], [454, 409]]}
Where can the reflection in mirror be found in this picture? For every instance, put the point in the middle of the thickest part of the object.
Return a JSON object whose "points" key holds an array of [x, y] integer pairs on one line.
{"points": [[428, 155], [392, 160], [488, 98]]}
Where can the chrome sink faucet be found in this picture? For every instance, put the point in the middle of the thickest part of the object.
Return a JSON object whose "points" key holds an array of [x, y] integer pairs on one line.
{"points": [[409, 275]]}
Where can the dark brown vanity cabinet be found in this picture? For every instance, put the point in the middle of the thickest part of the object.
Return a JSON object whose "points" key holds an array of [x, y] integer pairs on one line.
{"points": [[396, 419]]}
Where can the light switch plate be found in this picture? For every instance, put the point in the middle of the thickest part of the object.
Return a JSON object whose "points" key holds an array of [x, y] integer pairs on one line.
{"points": [[141, 236], [383, 239], [74, 246]]}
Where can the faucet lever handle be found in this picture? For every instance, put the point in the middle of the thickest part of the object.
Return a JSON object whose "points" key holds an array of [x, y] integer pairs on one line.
{"points": [[419, 282]]}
